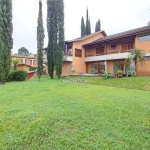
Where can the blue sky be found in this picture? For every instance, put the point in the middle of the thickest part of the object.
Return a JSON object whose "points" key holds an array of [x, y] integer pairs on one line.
{"points": [[115, 15]]}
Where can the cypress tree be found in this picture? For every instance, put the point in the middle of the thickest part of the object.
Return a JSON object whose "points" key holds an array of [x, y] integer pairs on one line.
{"points": [[87, 22], [52, 36], [5, 38], [55, 28], [89, 28], [98, 26], [83, 30], [40, 41], [60, 38]]}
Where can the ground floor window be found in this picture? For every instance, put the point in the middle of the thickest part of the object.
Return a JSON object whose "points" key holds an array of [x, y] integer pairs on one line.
{"points": [[97, 67], [119, 65]]}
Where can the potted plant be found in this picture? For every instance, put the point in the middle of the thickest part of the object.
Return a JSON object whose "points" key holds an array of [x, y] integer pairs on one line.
{"points": [[120, 73]]}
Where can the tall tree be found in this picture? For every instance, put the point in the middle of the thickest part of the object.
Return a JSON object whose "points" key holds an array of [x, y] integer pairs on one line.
{"points": [[23, 51], [60, 38], [137, 55], [40, 41], [55, 28], [98, 26], [5, 38], [87, 22], [89, 27], [83, 29]]}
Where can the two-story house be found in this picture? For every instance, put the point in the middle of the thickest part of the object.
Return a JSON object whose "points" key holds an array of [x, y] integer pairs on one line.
{"points": [[103, 52]]}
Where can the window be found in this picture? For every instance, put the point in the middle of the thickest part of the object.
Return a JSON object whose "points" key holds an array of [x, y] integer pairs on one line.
{"points": [[113, 46], [144, 38], [78, 52], [34, 62], [127, 46]]}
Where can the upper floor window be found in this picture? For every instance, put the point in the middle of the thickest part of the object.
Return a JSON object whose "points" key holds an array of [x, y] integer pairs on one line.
{"points": [[127, 46], [34, 62], [144, 38], [78, 52]]}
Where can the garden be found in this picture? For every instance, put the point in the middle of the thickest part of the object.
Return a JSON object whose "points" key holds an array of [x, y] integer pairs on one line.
{"points": [[51, 114]]}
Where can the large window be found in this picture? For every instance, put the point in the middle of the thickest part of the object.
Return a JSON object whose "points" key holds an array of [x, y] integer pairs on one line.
{"points": [[144, 38], [78, 52], [127, 46], [97, 67]]}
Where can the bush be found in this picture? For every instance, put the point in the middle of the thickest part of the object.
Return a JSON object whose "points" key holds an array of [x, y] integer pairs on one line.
{"points": [[120, 72], [107, 75], [33, 68], [102, 71], [10, 76], [132, 73], [17, 75]]}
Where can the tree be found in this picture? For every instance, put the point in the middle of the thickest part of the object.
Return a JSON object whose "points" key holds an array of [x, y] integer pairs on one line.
{"points": [[61, 40], [23, 51], [15, 62], [55, 28], [83, 29], [137, 55], [89, 27], [127, 63], [98, 26], [6, 41], [40, 41], [87, 22]]}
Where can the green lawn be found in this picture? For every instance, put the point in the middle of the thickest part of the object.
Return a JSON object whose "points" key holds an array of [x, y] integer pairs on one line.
{"points": [[51, 115]]}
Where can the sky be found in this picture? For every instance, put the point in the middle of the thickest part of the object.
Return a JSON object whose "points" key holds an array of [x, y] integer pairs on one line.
{"points": [[115, 16]]}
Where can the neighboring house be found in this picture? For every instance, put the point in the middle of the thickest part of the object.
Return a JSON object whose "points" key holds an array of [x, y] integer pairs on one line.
{"points": [[103, 52], [25, 62]]}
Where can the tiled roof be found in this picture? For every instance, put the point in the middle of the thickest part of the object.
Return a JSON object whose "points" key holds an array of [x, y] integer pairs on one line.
{"points": [[120, 35], [87, 36]]}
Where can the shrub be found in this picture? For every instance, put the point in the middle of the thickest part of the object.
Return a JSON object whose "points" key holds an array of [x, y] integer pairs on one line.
{"points": [[107, 75], [132, 73], [120, 72], [17, 75], [10, 76], [102, 71], [33, 68]]}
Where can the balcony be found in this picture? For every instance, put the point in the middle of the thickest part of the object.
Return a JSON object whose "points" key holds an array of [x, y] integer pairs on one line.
{"points": [[107, 56], [68, 57]]}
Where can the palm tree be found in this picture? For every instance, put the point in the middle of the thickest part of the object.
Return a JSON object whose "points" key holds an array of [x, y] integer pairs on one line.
{"points": [[15, 62], [127, 63], [138, 55]]}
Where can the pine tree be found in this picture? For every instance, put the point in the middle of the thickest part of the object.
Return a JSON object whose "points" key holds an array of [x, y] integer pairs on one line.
{"points": [[5, 38], [83, 30], [40, 41], [55, 27]]}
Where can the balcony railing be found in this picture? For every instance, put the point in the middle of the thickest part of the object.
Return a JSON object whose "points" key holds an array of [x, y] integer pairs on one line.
{"points": [[106, 53]]}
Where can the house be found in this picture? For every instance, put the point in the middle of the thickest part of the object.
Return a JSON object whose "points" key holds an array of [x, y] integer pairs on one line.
{"points": [[25, 62], [106, 52], [74, 54]]}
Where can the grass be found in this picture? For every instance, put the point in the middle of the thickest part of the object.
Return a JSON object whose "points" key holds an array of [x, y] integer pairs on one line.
{"points": [[53, 115]]}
